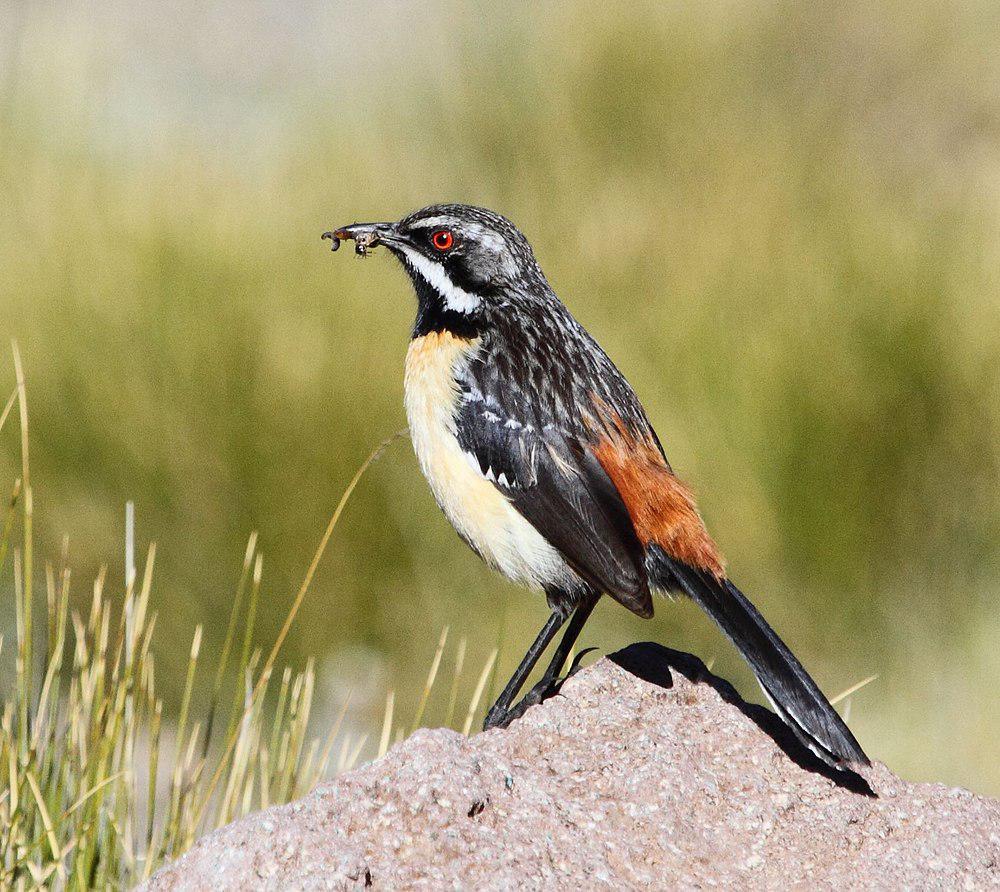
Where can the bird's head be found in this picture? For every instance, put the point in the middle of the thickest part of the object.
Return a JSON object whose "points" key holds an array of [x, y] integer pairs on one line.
{"points": [[462, 259]]}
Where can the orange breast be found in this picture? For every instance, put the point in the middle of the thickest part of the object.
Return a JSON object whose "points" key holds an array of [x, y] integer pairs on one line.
{"points": [[662, 508]]}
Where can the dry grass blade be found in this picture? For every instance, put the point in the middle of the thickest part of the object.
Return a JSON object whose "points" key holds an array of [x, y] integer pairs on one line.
{"points": [[220, 671], [25, 655], [47, 823], [7, 407], [853, 689], [484, 677], [355, 753], [383, 743], [324, 759], [455, 678], [296, 604], [429, 684], [9, 522]]}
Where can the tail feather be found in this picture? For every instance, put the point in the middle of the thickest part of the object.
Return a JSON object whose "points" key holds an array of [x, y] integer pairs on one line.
{"points": [[787, 685]]}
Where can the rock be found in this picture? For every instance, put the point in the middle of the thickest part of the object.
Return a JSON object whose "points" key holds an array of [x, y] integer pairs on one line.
{"points": [[644, 772]]}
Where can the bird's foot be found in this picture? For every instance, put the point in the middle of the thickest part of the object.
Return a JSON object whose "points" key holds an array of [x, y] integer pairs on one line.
{"points": [[496, 718], [576, 665], [499, 717]]}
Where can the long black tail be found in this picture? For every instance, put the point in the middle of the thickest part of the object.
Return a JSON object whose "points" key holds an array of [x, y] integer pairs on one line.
{"points": [[794, 695]]}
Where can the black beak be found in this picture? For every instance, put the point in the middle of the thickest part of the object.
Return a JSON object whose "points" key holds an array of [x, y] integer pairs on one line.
{"points": [[365, 236]]}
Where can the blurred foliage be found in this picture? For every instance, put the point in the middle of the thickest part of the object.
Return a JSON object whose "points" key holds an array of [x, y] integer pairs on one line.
{"points": [[780, 219]]}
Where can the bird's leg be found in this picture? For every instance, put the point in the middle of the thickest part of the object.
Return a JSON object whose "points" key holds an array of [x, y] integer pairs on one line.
{"points": [[549, 683], [559, 658], [502, 713], [498, 716]]}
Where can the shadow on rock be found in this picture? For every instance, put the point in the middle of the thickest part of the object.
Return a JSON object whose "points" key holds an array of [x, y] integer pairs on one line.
{"points": [[653, 663]]}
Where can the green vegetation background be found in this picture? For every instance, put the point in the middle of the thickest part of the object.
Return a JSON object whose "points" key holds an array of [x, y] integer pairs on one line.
{"points": [[780, 219]]}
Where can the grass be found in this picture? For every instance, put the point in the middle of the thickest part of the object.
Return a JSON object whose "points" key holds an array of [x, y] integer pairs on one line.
{"points": [[778, 218], [97, 788]]}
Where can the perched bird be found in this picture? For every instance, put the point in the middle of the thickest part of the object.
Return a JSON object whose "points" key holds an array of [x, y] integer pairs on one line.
{"points": [[543, 459]]}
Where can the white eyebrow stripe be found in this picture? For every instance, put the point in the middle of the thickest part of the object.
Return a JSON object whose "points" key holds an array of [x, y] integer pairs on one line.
{"points": [[427, 222], [488, 239], [456, 299]]}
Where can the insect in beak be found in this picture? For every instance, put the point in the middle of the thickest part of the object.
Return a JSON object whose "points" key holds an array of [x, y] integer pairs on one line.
{"points": [[365, 235]]}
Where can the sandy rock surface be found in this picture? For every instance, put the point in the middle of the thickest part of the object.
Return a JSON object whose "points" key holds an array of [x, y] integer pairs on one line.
{"points": [[645, 772]]}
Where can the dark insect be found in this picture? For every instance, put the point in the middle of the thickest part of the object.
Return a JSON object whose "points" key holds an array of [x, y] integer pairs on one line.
{"points": [[364, 242], [364, 235]]}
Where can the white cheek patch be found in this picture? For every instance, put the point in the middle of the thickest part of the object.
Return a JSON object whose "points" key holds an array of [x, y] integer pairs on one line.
{"points": [[456, 299]]}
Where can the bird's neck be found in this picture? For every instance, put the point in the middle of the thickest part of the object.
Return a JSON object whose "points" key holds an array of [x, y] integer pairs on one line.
{"points": [[434, 314]]}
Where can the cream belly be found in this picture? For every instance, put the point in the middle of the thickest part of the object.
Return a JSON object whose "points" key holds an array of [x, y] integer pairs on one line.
{"points": [[476, 508]]}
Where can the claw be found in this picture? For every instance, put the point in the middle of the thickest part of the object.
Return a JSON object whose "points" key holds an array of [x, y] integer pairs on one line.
{"points": [[496, 718], [577, 661], [538, 694]]}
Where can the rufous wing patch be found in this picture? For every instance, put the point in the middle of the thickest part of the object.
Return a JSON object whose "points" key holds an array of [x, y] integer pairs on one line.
{"points": [[661, 506]]}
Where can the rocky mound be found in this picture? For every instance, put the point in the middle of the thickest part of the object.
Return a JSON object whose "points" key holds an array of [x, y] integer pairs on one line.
{"points": [[645, 772]]}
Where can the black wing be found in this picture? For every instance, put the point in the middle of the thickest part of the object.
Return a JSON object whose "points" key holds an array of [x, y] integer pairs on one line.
{"points": [[560, 488]]}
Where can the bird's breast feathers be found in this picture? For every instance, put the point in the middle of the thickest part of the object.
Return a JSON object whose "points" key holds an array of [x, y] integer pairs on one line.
{"points": [[481, 514]]}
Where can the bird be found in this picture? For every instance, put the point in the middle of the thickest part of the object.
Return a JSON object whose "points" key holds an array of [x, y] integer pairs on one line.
{"points": [[543, 459]]}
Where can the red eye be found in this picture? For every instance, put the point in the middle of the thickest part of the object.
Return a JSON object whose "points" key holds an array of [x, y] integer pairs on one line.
{"points": [[442, 240]]}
